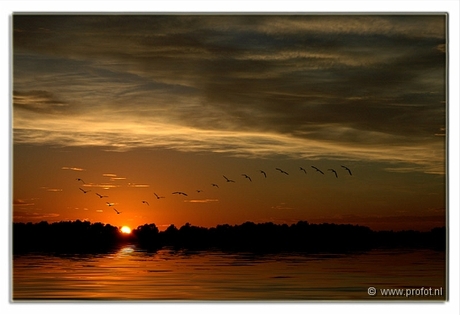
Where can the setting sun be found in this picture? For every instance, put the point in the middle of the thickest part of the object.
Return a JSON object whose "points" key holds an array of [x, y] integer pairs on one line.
{"points": [[125, 230]]}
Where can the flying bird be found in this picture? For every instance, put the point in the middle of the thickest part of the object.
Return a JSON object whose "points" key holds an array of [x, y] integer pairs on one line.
{"points": [[302, 169], [265, 174], [333, 172], [317, 169], [180, 193], [278, 169], [228, 180], [215, 185], [198, 190], [247, 177], [158, 197], [346, 169], [84, 191], [118, 212], [110, 204], [101, 196], [81, 180], [143, 201]]}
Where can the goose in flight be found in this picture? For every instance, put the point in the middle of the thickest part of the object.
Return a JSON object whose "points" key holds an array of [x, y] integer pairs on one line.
{"points": [[158, 197], [247, 177], [143, 201], [110, 204], [118, 212], [81, 180], [317, 169], [265, 174], [346, 169], [278, 169], [198, 190], [332, 170], [180, 193], [84, 191], [228, 180], [101, 196], [215, 185], [302, 169]]}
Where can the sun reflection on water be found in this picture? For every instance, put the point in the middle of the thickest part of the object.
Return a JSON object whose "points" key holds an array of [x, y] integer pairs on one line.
{"points": [[126, 250], [134, 274]]}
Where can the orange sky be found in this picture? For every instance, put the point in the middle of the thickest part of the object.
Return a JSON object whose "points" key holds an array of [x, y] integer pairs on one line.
{"points": [[138, 105]]}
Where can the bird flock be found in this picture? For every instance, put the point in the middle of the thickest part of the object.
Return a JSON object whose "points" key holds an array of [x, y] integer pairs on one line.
{"points": [[227, 180]]}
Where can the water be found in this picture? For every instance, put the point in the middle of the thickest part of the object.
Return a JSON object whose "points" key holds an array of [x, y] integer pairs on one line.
{"points": [[133, 274]]}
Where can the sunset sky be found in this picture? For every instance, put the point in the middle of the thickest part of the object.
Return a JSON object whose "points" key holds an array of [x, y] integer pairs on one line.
{"points": [[138, 105]]}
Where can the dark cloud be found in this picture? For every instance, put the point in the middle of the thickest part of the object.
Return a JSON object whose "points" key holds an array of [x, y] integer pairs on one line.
{"points": [[29, 216], [381, 222], [360, 80], [39, 101]]}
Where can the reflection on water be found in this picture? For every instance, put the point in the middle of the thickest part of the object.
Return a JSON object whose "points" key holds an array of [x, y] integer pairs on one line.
{"points": [[133, 274]]}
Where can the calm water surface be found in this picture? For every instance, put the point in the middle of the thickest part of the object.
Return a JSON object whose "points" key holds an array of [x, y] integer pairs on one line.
{"points": [[134, 274]]}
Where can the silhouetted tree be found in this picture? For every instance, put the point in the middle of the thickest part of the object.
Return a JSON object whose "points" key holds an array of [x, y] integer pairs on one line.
{"points": [[78, 236], [170, 236], [147, 236], [64, 236]]}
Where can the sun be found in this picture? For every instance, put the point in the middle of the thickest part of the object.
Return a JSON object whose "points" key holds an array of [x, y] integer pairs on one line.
{"points": [[125, 230]]}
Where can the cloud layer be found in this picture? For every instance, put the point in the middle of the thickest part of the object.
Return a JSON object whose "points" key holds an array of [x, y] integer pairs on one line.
{"points": [[368, 87]]}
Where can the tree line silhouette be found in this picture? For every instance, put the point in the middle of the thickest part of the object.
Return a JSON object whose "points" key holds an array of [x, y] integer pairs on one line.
{"points": [[85, 237], [64, 236]]}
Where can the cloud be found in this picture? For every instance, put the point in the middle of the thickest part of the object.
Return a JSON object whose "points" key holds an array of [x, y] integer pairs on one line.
{"points": [[21, 202], [28, 216], [353, 145], [101, 185], [133, 185], [52, 189], [36, 101], [201, 200], [398, 222], [336, 86], [282, 206], [113, 177], [408, 26], [78, 169]]}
